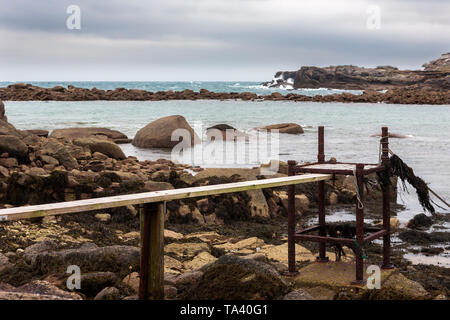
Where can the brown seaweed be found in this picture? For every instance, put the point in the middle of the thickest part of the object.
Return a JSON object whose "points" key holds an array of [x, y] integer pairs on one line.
{"points": [[406, 174]]}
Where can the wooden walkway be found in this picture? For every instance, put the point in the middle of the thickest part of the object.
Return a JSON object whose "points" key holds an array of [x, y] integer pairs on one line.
{"points": [[152, 218]]}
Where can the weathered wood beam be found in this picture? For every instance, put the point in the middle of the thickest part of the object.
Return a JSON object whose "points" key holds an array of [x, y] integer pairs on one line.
{"points": [[151, 285], [26, 212]]}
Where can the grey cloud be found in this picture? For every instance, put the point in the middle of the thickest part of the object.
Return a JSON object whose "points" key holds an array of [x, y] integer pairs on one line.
{"points": [[198, 36]]}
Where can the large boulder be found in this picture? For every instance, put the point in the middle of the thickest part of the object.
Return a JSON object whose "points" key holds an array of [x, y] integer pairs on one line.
{"points": [[235, 278], [106, 147], [100, 133], [13, 146], [224, 129], [398, 287], [291, 128], [89, 258], [158, 134]]}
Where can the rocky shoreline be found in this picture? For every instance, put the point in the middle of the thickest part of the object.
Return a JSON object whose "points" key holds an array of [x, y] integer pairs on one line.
{"points": [[414, 94], [436, 75], [212, 244]]}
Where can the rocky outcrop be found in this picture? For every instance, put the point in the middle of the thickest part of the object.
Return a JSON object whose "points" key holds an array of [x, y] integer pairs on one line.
{"points": [[433, 89], [291, 128], [158, 134], [435, 75], [98, 133], [440, 64]]}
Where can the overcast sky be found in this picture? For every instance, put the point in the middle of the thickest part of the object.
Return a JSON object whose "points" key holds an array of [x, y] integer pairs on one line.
{"points": [[213, 39]]}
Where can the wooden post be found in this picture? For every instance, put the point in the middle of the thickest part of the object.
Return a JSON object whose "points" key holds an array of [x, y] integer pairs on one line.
{"points": [[151, 285], [291, 219], [321, 198], [359, 226], [386, 201]]}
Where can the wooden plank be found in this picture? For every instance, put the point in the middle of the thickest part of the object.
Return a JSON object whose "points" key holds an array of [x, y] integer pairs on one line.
{"points": [[156, 263], [42, 210], [151, 285]]}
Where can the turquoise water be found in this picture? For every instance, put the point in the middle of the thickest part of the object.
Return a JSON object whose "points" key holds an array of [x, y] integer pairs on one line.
{"points": [[218, 86], [348, 128]]}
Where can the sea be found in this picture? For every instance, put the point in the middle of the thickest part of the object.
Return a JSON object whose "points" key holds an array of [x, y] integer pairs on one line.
{"points": [[349, 127]]}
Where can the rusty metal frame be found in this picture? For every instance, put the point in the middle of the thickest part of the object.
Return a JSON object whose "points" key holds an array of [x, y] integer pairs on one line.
{"points": [[361, 238], [305, 169]]}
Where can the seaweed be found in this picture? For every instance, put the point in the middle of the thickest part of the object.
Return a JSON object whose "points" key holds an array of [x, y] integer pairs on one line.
{"points": [[406, 174]]}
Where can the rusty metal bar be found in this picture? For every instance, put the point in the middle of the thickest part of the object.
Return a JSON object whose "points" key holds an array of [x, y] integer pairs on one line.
{"points": [[386, 201], [321, 197], [359, 223], [312, 228], [322, 227], [320, 239], [151, 285], [375, 235], [307, 169], [291, 219], [321, 153], [337, 162]]}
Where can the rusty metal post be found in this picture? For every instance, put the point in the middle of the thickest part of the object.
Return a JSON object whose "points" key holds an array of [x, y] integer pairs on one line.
{"points": [[321, 198], [291, 219], [151, 285], [321, 145], [386, 201], [359, 225]]}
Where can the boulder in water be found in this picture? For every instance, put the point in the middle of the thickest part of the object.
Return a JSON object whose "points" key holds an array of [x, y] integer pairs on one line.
{"points": [[291, 128], [158, 134], [99, 133], [233, 133], [106, 147]]}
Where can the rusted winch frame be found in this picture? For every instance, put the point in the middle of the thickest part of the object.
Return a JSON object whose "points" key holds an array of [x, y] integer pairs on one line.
{"points": [[322, 238]]}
